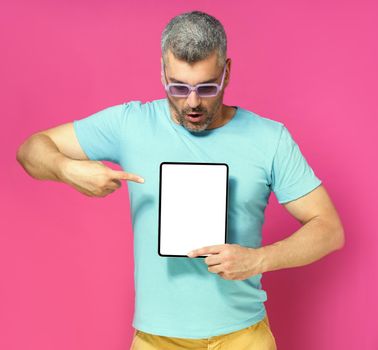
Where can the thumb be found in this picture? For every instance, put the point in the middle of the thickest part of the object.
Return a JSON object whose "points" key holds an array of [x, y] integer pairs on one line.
{"points": [[122, 175]]}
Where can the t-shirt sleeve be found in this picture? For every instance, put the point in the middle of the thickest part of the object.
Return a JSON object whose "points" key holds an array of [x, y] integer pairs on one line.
{"points": [[292, 177], [99, 134]]}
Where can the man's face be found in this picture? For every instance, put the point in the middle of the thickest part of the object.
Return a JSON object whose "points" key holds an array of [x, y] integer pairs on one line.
{"points": [[210, 108]]}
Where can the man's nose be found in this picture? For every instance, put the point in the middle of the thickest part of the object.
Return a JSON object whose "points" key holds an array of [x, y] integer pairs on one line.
{"points": [[193, 99]]}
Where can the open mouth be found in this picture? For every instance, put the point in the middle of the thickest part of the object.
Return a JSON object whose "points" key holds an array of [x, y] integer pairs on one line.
{"points": [[194, 116]]}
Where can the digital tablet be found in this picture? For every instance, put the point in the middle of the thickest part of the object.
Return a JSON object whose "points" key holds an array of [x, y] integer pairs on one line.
{"points": [[193, 204]]}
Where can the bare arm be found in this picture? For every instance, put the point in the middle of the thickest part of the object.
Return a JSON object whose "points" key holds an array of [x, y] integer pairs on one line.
{"points": [[55, 154], [322, 232], [41, 158]]}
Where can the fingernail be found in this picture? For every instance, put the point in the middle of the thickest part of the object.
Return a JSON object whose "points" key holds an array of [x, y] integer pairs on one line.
{"points": [[140, 180], [190, 254]]}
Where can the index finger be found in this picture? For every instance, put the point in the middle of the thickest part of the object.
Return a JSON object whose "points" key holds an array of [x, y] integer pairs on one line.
{"points": [[209, 250], [122, 175]]}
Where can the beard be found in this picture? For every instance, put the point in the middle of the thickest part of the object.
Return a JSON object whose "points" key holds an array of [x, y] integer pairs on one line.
{"points": [[208, 116]]}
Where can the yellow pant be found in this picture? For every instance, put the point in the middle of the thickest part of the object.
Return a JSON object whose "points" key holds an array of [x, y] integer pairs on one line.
{"points": [[255, 337]]}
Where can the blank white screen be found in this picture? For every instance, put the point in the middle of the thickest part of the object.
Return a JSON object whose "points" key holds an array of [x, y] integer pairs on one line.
{"points": [[192, 207]]}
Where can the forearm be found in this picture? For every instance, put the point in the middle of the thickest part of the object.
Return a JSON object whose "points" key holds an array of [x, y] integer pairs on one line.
{"points": [[311, 242], [41, 158]]}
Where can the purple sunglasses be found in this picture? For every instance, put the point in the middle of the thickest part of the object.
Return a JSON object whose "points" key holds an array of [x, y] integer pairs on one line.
{"points": [[183, 90]]}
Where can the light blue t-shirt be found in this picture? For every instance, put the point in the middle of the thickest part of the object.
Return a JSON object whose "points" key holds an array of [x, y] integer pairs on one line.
{"points": [[178, 296]]}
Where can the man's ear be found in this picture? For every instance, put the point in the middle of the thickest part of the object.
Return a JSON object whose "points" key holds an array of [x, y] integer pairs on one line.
{"points": [[161, 71], [228, 72]]}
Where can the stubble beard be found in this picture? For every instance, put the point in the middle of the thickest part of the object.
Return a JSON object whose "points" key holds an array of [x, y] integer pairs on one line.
{"points": [[198, 126]]}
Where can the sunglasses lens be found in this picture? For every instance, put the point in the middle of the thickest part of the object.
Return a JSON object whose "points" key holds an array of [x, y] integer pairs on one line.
{"points": [[178, 90], [207, 90], [203, 91]]}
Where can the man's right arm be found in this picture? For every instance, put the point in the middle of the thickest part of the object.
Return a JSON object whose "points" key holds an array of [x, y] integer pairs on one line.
{"points": [[55, 154], [45, 154]]}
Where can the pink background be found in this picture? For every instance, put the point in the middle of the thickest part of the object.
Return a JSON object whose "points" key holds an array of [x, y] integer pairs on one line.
{"points": [[66, 260]]}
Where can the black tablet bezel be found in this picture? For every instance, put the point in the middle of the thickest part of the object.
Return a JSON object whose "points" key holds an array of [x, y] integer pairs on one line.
{"points": [[159, 214]]}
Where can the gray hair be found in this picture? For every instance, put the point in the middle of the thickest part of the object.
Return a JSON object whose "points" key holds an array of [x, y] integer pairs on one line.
{"points": [[193, 36]]}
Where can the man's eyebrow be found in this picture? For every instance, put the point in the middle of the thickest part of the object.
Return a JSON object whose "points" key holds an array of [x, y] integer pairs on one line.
{"points": [[203, 82]]}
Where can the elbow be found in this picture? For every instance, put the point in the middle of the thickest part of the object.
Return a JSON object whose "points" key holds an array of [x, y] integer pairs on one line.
{"points": [[19, 154], [335, 235], [22, 150], [340, 238]]}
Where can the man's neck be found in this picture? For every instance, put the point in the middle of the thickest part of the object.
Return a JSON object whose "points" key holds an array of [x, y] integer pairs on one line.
{"points": [[226, 114]]}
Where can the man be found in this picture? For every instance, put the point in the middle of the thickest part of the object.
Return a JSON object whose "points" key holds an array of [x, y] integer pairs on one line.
{"points": [[185, 303]]}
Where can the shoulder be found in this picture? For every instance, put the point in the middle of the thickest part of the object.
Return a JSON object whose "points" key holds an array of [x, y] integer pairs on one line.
{"points": [[264, 129], [144, 108]]}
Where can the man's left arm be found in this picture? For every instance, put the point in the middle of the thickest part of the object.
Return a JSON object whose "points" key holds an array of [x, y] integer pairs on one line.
{"points": [[322, 232]]}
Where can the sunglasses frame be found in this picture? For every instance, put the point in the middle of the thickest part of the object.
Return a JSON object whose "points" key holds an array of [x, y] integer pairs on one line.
{"points": [[191, 87]]}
